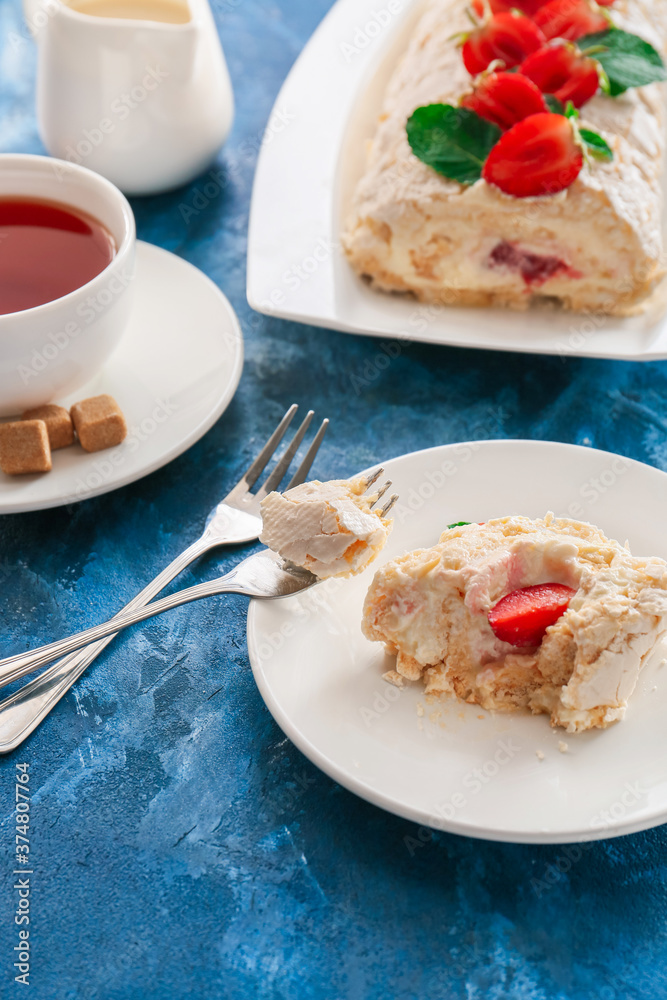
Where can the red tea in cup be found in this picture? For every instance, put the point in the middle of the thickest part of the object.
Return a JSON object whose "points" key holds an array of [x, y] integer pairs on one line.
{"points": [[47, 250]]}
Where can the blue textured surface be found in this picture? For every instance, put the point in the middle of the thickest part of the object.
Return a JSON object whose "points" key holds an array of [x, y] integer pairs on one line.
{"points": [[182, 846]]}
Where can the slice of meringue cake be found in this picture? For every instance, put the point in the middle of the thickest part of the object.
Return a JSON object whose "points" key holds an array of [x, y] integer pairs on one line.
{"points": [[547, 615]]}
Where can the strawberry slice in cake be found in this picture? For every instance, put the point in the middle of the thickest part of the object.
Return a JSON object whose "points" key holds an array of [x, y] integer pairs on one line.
{"points": [[546, 615]]}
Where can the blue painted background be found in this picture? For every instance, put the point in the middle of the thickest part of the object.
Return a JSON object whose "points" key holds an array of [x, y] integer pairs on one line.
{"points": [[183, 847]]}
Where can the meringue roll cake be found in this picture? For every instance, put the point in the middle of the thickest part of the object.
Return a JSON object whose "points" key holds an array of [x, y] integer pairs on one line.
{"points": [[546, 615], [566, 206]]}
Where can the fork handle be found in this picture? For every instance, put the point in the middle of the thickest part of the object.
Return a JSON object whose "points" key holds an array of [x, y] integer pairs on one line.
{"points": [[23, 711], [18, 666]]}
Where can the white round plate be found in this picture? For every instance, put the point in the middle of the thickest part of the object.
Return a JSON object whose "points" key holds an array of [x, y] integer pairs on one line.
{"points": [[456, 767], [174, 373]]}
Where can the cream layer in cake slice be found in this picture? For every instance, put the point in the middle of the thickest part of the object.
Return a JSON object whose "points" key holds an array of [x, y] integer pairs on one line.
{"points": [[597, 246], [326, 528], [431, 608]]}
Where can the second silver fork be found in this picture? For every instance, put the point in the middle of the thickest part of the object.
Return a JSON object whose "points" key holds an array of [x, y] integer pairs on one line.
{"points": [[264, 575], [235, 520]]}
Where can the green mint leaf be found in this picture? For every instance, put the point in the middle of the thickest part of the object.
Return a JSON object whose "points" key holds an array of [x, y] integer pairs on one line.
{"points": [[627, 60], [453, 141], [459, 524], [598, 147], [554, 105], [570, 110]]}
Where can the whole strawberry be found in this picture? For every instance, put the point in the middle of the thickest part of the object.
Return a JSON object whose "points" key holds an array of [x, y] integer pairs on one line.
{"points": [[528, 7], [508, 37], [504, 99], [562, 70], [538, 156], [571, 19]]}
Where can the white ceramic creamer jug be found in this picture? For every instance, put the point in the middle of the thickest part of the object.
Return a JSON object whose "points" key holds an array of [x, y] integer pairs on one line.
{"points": [[137, 90]]}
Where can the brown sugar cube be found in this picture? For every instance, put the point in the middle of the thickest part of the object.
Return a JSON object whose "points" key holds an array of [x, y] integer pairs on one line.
{"points": [[99, 422], [24, 447], [58, 424]]}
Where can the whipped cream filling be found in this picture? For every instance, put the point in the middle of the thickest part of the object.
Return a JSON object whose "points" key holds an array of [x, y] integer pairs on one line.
{"points": [[327, 528], [523, 564]]}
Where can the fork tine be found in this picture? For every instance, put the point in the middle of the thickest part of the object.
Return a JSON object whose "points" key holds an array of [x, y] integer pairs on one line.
{"points": [[373, 478], [302, 472], [278, 474], [381, 493], [265, 455], [389, 504]]}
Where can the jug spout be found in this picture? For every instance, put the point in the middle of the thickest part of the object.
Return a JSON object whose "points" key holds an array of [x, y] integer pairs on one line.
{"points": [[175, 13], [157, 103], [86, 32], [38, 13]]}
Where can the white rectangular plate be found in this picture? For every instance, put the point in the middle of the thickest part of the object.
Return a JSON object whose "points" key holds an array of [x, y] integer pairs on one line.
{"points": [[312, 155]]}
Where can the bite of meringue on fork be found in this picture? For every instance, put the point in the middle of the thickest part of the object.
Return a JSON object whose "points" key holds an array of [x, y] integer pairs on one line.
{"points": [[331, 529]]}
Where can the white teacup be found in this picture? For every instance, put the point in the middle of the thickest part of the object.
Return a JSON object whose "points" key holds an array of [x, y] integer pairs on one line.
{"points": [[53, 349]]}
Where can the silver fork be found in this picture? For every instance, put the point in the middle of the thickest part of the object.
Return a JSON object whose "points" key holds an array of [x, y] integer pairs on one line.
{"points": [[263, 575], [235, 520]]}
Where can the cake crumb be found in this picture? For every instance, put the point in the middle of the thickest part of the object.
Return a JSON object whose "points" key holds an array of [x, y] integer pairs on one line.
{"points": [[539, 755], [563, 747], [393, 677], [420, 709]]}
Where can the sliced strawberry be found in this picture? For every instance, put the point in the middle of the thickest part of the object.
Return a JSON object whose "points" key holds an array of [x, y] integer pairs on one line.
{"points": [[523, 617], [538, 156], [570, 19], [505, 99], [528, 7], [508, 37], [563, 71]]}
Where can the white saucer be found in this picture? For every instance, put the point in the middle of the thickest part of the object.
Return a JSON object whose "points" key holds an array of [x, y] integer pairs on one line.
{"points": [[313, 154], [322, 680], [173, 375]]}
